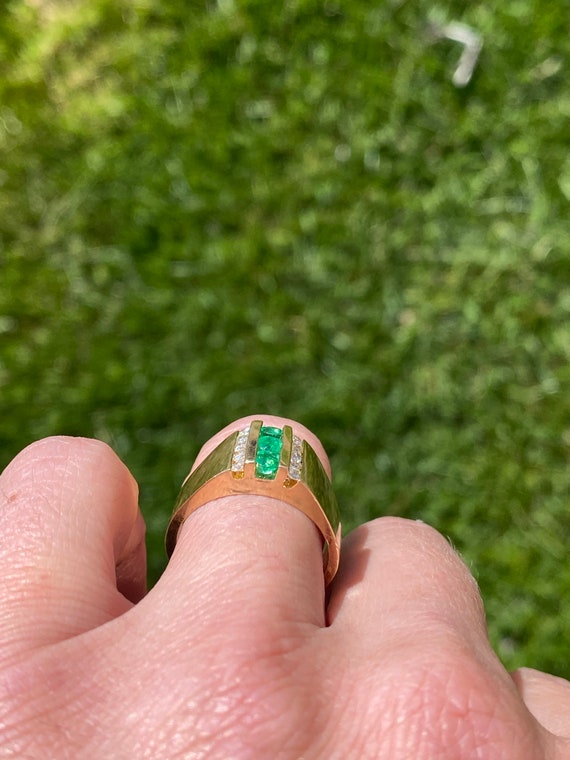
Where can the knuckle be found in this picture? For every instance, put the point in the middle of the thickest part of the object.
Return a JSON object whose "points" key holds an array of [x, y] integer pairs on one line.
{"points": [[441, 707]]}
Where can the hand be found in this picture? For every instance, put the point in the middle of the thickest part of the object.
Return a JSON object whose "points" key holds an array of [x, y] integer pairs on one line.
{"points": [[233, 654]]}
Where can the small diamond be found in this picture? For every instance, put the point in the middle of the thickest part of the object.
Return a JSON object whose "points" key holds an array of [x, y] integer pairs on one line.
{"points": [[238, 457], [296, 462]]}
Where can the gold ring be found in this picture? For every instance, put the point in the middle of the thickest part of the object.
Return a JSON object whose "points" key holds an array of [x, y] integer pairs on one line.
{"points": [[267, 461]]}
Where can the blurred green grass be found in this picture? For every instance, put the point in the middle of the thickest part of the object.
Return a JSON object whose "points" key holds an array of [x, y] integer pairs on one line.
{"points": [[217, 208]]}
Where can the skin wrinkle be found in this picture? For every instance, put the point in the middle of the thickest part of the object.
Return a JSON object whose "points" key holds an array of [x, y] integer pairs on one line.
{"points": [[65, 718], [36, 592], [25, 711], [244, 699], [429, 706]]}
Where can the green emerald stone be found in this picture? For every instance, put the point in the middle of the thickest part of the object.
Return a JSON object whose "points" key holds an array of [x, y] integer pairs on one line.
{"points": [[268, 452]]}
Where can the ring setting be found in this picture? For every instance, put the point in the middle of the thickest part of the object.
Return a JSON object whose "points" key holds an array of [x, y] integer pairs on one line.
{"points": [[270, 461]]}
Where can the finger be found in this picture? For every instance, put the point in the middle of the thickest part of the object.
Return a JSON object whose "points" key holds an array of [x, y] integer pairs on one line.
{"points": [[71, 542], [400, 575], [405, 594], [547, 697], [258, 555]]}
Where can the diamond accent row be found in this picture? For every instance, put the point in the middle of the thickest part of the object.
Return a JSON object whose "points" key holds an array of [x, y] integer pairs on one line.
{"points": [[238, 458], [296, 462]]}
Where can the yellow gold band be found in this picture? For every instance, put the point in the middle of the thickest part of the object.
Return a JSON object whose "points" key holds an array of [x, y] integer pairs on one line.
{"points": [[270, 462]]}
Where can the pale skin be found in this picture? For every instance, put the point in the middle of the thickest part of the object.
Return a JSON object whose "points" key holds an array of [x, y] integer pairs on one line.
{"points": [[236, 653]]}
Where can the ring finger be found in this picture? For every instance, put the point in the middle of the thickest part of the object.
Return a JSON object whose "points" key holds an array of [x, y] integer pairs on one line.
{"points": [[251, 551]]}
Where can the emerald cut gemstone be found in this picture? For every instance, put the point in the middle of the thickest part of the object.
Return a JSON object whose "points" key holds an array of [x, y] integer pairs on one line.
{"points": [[268, 453]]}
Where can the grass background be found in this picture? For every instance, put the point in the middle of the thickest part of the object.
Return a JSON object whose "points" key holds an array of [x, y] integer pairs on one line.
{"points": [[213, 208]]}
